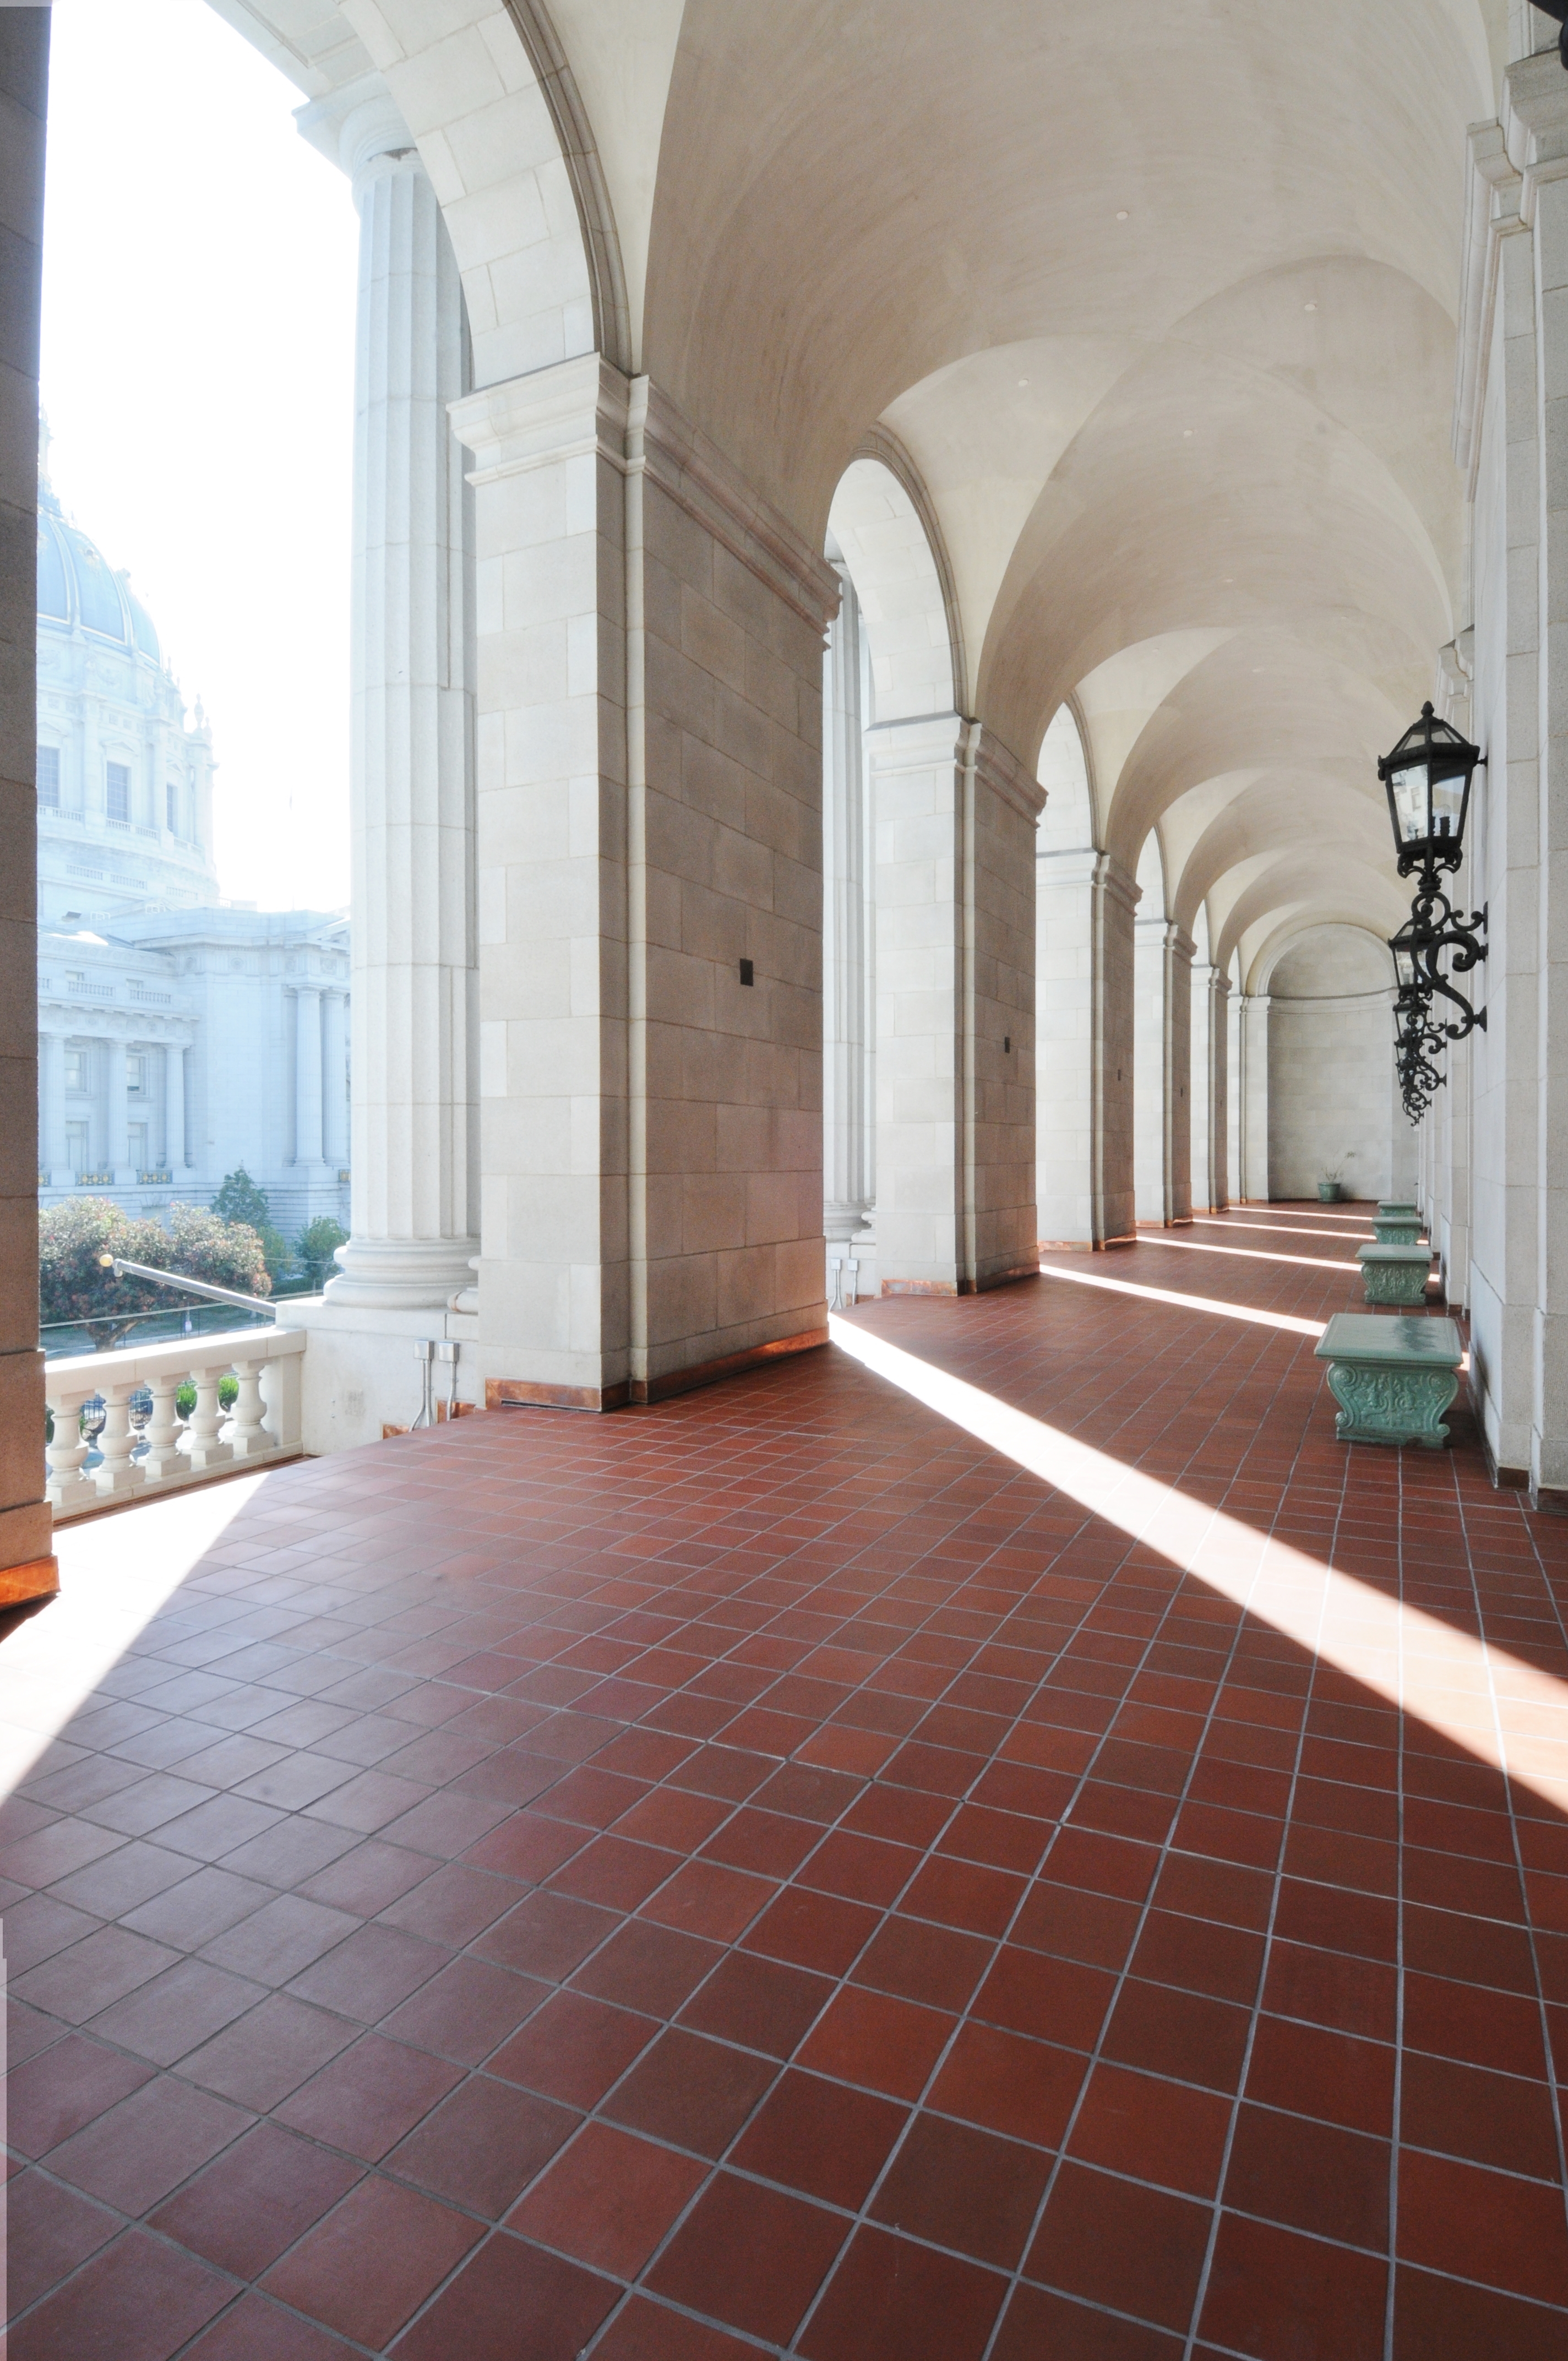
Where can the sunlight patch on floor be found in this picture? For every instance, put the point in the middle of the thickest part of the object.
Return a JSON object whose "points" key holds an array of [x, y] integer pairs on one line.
{"points": [[115, 1572], [1248, 1254], [1500, 1710], [1245, 1312]]}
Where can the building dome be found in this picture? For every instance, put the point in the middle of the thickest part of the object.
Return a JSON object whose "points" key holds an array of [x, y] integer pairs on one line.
{"points": [[77, 585]]}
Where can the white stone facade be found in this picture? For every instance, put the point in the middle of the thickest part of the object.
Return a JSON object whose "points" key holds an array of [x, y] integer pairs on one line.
{"points": [[179, 1036]]}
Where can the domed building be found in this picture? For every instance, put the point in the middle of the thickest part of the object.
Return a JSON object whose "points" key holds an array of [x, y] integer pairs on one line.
{"points": [[181, 1034]]}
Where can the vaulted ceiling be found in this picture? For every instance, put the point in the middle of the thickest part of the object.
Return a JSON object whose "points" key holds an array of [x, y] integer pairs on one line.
{"points": [[1160, 301]]}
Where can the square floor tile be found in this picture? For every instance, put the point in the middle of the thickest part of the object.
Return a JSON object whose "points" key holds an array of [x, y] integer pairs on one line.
{"points": [[892, 2300], [609, 2199], [59, 2089], [512, 2298], [261, 2194], [955, 2185], [139, 2299], [749, 2258], [1114, 2242], [146, 2144], [821, 2137], [693, 2093], [373, 2261], [370, 2096], [483, 2145]]}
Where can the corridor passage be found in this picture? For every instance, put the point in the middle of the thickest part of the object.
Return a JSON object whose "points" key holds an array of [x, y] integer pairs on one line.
{"points": [[770, 1874]]}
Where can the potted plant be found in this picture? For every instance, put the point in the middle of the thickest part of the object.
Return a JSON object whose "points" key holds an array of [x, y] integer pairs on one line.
{"points": [[1329, 1187]]}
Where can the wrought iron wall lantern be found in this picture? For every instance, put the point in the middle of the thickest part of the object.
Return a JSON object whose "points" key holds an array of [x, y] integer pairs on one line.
{"points": [[1427, 778], [1558, 9]]}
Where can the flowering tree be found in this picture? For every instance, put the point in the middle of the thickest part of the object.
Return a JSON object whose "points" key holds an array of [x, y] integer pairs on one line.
{"points": [[75, 1238]]}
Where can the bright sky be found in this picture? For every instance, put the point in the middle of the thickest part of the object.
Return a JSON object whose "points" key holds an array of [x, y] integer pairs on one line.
{"points": [[198, 374]]}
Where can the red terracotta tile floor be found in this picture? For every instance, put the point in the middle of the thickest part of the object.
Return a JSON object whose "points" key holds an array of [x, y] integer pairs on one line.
{"points": [[769, 1874]]}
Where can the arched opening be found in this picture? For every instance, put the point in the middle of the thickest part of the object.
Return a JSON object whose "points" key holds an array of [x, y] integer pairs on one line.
{"points": [[1333, 1112]]}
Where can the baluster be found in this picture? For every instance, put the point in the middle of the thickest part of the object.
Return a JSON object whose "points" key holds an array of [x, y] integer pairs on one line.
{"points": [[205, 1449], [68, 1487], [163, 1430], [117, 1475], [246, 1432]]}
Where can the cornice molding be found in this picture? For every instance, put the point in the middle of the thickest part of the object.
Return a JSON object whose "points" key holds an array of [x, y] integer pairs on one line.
{"points": [[998, 769], [587, 407], [697, 476], [1494, 189]]}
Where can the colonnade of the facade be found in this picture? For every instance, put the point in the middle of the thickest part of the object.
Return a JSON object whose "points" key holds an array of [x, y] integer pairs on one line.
{"points": [[111, 1105]]}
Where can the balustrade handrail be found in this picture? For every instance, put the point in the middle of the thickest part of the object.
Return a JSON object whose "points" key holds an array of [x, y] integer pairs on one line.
{"points": [[123, 1268], [147, 1444]]}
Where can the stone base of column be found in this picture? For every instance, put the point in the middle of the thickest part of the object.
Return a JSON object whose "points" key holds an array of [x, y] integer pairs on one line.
{"points": [[400, 1274]]}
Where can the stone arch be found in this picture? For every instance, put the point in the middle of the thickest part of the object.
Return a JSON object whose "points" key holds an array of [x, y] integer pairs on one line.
{"points": [[1069, 821], [886, 530], [515, 170]]}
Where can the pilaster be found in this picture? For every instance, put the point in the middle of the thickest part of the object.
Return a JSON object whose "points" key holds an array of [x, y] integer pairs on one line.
{"points": [[1252, 1111], [649, 848], [955, 817]]}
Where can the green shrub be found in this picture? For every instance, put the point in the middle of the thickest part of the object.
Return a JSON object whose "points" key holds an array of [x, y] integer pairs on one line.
{"points": [[317, 1246], [73, 1285]]}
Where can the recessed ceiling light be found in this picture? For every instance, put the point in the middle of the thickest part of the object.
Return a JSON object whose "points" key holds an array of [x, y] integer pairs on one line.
{"points": [[1187, 434], [1023, 381], [1310, 307], [1121, 217]]}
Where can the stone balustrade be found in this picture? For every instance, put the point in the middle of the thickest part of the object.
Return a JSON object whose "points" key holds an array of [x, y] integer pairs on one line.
{"points": [[147, 1444]]}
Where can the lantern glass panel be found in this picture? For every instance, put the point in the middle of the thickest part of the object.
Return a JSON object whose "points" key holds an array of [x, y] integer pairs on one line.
{"points": [[1410, 792], [1448, 803], [1404, 965]]}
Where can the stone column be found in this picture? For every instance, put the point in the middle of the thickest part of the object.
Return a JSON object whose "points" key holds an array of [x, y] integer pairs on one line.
{"points": [[413, 1217], [334, 1077], [848, 925], [1178, 951], [650, 848], [1150, 1030], [1200, 1093], [1499, 341], [1064, 1046], [54, 1157], [116, 1115], [1252, 1124], [174, 1109], [955, 952], [1214, 1013], [307, 1075], [28, 1568], [1540, 90]]}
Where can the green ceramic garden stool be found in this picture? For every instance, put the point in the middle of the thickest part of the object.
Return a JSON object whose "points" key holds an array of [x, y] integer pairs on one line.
{"points": [[1394, 1274], [1397, 1229], [1398, 1209], [1392, 1378]]}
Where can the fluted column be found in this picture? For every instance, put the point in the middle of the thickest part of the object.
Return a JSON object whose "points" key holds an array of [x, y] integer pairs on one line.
{"points": [[307, 1075], [848, 1159], [412, 762], [53, 1157], [334, 1077], [174, 1108], [116, 1114]]}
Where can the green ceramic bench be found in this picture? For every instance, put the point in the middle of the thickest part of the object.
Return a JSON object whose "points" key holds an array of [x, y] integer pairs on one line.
{"points": [[1395, 1274], [1392, 1378]]}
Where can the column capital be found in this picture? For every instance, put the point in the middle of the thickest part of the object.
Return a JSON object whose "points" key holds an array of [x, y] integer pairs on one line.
{"points": [[585, 406], [356, 126]]}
